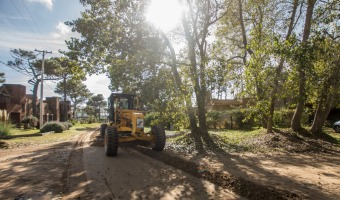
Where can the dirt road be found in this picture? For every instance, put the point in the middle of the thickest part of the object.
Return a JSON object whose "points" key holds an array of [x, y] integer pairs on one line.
{"points": [[132, 175], [78, 169]]}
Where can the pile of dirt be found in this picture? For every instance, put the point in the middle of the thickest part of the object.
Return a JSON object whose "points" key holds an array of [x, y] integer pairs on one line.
{"points": [[182, 143], [292, 142], [287, 141], [239, 185]]}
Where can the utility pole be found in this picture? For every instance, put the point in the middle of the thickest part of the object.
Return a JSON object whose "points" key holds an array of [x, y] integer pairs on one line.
{"points": [[41, 121]]}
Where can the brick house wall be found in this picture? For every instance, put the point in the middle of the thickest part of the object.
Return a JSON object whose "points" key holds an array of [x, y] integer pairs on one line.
{"points": [[18, 104], [15, 103]]}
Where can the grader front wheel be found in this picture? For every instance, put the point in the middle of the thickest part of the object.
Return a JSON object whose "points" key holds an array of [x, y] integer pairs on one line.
{"points": [[111, 141], [158, 143]]}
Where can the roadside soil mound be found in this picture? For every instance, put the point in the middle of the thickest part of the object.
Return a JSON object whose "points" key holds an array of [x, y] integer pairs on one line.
{"points": [[285, 165]]}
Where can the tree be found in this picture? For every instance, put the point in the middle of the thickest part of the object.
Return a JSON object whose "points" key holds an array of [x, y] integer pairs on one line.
{"points": [[302, 67], [279, 68], [245, 36], [66, 69], [122, 45], [28, 63], [2, 77], [326, 43], [197, 23], [97, 102], [75, 90]]}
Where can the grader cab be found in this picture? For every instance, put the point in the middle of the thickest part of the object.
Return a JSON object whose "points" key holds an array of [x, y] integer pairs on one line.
{"points": [[127, 124]]}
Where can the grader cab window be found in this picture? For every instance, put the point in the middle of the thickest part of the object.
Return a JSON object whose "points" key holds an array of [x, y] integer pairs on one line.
{"points": [[118, 101], [124, 104]]}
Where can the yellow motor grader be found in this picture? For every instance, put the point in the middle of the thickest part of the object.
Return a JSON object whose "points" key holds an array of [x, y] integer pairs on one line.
{"points": [[127, 124]]}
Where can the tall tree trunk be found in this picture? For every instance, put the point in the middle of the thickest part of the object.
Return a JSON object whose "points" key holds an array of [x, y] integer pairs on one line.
{"points": [[329, 90], [279, 71], [324, 106], [296, 120], [243, 30], [200, 98], [200, 94], [184, 94], [34, 98], [179, 85], [74, 108]]}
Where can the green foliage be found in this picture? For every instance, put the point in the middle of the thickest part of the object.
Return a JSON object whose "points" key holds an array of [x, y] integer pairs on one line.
{"points": [[2, 77], [30, 119], [73, 121], [57, 127], [176, 120], [214, 118], [149, 119], [282, 118], [262, 60], [94, 104], [67, 125], [231, 119], [5, 128]]}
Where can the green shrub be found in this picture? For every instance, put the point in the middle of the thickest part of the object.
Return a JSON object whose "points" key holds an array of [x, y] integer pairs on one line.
{"points": [[214, 119], [5, 128], [282, 118], [57, 127], [174, 120], [29, 119], [74, 121], [67, 125], [230, 119], [149, 118]]}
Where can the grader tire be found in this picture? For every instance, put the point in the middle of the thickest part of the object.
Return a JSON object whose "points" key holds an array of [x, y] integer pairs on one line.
{"points": [[111, 141], [159, 143], [102, 129]]}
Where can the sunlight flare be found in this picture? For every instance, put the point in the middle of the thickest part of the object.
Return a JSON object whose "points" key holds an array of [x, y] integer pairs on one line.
{"points": [[164, 14]]}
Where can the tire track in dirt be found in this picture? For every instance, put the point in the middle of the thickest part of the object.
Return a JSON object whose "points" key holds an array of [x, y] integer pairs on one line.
{"points": [[76, 186], [132, 175]]}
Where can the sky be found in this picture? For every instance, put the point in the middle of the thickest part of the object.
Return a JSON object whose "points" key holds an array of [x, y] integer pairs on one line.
{"points": [[39, 24]]}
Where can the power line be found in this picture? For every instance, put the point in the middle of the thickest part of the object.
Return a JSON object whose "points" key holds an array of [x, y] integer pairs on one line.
{"points": [[28, 25], [49, 86], [36, 25]]}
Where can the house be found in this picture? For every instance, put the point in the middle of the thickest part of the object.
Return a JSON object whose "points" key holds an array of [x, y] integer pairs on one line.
{"points": [[13, 100], [65, 107], [18, 104], [52, 109]]}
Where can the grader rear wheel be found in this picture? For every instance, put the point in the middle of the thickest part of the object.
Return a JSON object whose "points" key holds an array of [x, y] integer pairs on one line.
{"points": [[111, 141], [158, 143]]}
